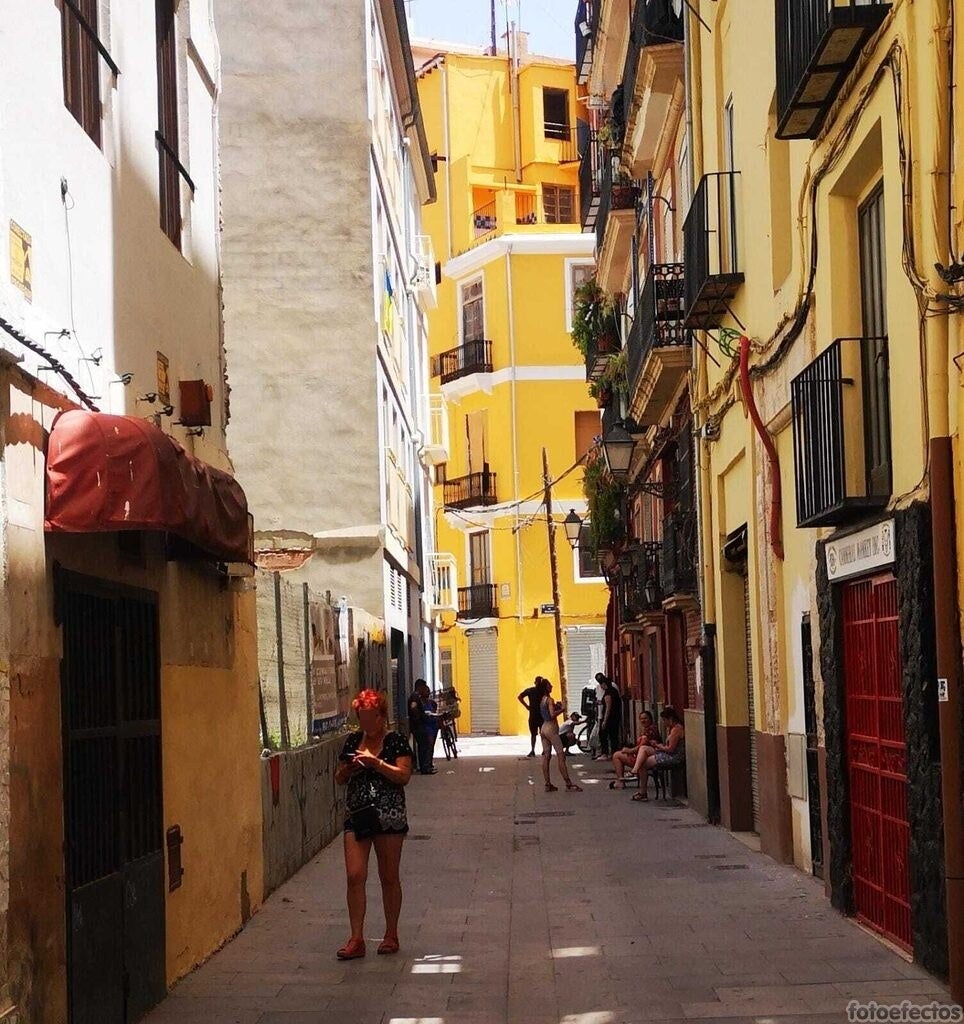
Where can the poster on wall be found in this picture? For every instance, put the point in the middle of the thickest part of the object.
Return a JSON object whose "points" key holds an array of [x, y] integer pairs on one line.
{"points": [[327, 713]]}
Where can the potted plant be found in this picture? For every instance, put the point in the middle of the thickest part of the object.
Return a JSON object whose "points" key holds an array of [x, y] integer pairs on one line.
{"points": [[603, 499], [602, 391], [594, 327], [625, 192]]}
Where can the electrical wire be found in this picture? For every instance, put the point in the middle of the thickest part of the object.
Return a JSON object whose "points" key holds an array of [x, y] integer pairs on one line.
{"points": [[54, 363]]}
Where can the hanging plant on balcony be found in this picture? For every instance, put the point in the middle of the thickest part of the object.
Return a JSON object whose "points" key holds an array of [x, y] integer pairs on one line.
{"points": [[603, 499], [594, 325], [612, 382], [625, 192]]}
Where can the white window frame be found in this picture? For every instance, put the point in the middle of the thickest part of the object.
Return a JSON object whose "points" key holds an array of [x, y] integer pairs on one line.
{"points": [[463, 287], [570, 264]]}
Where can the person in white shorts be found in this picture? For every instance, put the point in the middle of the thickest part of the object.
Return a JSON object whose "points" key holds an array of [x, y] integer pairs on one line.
{"points": [[551, 741]]}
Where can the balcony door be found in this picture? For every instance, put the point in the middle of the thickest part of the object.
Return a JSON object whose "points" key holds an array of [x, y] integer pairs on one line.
{"points": [[876, 370], [480, 564]]}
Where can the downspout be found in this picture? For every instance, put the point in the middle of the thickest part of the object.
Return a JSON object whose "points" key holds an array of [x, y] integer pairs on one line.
{"points": [[514, 89], [776, 485], [516, 485], [448, 156]]}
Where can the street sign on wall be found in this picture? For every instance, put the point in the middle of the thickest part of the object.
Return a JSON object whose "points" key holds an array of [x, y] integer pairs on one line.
{"points": [[861, 552]]}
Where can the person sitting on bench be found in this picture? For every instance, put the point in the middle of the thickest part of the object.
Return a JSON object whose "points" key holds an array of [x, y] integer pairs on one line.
{"points": [[626, 758], [671, 754]]}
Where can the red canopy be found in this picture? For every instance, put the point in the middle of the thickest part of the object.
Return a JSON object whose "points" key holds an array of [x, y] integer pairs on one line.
{"points": [[108, 473]]}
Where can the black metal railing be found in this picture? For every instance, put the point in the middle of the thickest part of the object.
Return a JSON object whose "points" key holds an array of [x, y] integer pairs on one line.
{"points": [[469, 357], [644, 590], [817, 45], [711, 254], [526, 208], [836, 476], [484, 220], [480, 601], [616, 192], [599, 351], [653, 23], [679, 568], [659, 317], [476, 490], [587, 20], [589, 184]]}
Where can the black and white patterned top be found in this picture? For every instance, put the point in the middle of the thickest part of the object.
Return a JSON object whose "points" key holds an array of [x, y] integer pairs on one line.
{"points": [[370, 787]]}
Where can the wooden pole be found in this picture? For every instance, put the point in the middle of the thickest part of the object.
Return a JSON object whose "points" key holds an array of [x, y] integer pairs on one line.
{"points": [[554, 573]]}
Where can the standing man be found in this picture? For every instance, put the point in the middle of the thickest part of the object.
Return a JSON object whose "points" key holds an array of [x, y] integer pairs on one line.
{"points": [[422, 727], [611, 718], [529, 699]]}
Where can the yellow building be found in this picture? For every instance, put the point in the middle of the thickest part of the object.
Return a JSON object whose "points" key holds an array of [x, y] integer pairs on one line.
{"points": [[821, 154], [505, 132]]}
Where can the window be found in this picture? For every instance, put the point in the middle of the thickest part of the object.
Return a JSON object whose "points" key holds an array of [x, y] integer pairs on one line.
{"points": [[446, 677], [876, 369], [577, 274], [81, 69], [167, 128], [588, 428], [473, 312], [479, 565], [559, 202], [587, 564], [555, 112]]}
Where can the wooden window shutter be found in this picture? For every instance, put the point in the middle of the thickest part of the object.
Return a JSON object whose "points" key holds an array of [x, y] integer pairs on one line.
{"points": [[167, 127]]}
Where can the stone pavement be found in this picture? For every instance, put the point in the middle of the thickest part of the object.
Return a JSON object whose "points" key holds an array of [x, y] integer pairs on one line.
{"points": [[527, 907]]}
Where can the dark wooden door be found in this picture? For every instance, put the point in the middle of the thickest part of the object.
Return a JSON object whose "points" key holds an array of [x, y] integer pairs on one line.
{"points": [[114, 859], [876, 756]]}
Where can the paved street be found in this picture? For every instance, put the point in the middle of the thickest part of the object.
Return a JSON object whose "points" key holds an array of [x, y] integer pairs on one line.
{"points": [[564, 908]]}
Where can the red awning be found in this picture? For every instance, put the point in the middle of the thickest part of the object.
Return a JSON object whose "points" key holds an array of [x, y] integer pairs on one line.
{"points": [[108, 473]]}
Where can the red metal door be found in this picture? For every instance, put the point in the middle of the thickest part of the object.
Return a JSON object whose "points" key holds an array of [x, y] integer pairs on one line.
{"points": [[876, 757]]}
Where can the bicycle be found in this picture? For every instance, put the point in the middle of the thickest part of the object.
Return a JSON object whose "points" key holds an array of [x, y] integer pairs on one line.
{"points": [[584, 734], [449, 734]]}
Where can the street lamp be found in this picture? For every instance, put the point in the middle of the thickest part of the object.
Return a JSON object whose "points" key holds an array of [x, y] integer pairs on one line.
{"points": [[626, 566], [618, 446], [573, 525]]}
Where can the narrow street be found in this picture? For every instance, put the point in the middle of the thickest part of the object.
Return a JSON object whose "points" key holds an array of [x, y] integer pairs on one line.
{"points": [[564, 908]]}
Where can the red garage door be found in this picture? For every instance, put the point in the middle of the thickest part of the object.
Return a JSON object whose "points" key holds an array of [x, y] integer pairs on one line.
{"points": [[876, 757]]}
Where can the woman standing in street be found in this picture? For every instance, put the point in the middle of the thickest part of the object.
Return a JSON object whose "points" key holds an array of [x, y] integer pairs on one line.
{"points": [[611, 718], [551, 740], [376, 765]]}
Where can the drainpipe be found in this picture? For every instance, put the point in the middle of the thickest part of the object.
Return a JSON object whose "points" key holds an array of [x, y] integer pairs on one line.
{"points": [[515, 432], [514, 89], [776, 485], [448, 156]]}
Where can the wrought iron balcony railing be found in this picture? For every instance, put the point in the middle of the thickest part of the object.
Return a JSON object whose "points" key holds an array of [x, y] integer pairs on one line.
{"points": [[659, 318], [841, 433], [615, 193], [678, 571], [587, 22], [484, 220], [643, 593], [818, 43], [469, 357], [711, 253], [476, 490], [480, 601], [654, 22], [590, 164]]}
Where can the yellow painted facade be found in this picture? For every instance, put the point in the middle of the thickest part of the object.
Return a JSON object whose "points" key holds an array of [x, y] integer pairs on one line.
{"points": [[507, 217]]}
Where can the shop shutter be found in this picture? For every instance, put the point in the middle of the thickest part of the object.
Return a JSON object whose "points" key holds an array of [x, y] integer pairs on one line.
{"points": [[484, 680], [585, 656]]}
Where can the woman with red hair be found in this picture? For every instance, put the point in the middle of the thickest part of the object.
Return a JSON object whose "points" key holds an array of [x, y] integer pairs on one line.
{"points": [[376, 764]]}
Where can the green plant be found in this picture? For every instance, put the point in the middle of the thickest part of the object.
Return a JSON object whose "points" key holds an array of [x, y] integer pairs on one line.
{"points": [[593, 317], [603, 497]]}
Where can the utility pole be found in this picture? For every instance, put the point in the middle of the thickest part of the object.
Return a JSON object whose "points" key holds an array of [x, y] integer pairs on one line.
{"points": [[554, 573], [495, 43]]}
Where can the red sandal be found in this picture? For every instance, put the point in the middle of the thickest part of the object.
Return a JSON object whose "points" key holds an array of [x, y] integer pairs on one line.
{"points": [[388, 945], [353, 949]]}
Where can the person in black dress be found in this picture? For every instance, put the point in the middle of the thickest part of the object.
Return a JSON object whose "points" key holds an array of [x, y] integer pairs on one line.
{"points": [[530, 699], [611, 718], [376, 766]]}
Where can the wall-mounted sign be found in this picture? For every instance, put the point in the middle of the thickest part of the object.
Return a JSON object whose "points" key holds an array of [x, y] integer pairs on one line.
{"points": [[547, 609], [942, 693], [861, 552], [163, 379], [21, 272]]}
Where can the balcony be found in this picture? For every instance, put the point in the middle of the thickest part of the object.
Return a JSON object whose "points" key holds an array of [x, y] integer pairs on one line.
{"points": [[564, 140], [587, 24], [711, 254], [615, 224], [841, 433], [470, 357], [445, 590], [589, 185], [426, 281], [658, 348], [436, 450], [818, 45], [598, 354], [643, 592], [477, 490], [480, 601], [485, 221], [679, 569], [652, 73]]}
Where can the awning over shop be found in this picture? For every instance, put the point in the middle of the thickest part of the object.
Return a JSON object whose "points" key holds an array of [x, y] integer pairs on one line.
{"points": [[107, 473]]}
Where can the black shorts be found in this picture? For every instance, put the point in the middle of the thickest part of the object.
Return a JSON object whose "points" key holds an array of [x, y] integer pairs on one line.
{"points": [[535, 724]]}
